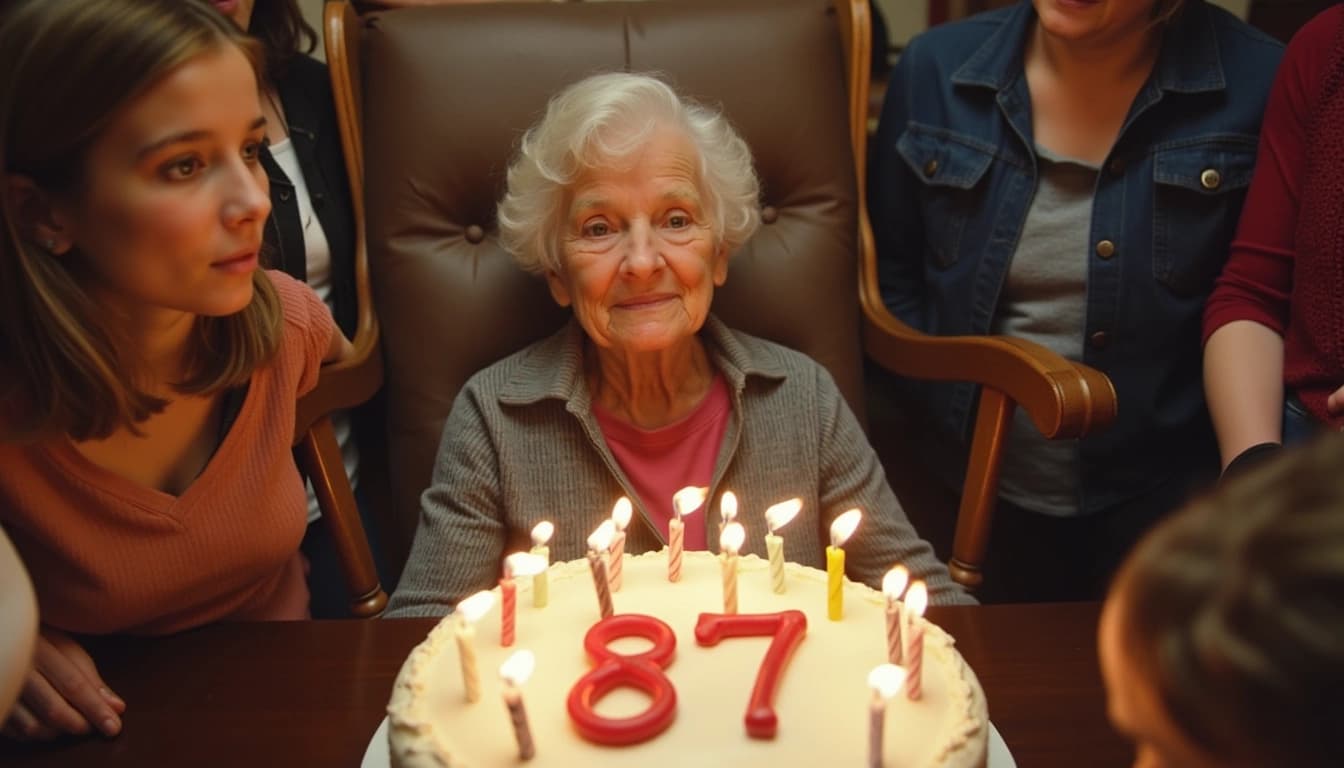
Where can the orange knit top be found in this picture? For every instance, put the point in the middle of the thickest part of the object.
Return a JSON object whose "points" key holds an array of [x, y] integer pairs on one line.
{"points": [[109, 555]]}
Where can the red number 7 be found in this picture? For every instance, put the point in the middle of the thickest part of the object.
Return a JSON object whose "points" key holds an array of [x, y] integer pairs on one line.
{"points": [[786, 629]]}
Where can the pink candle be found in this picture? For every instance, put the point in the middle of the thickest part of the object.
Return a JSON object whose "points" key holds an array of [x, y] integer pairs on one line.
{"points": [[597, 561], [893, 584], [517, 564], [885, 680], [515, 672], [620, 517], [684, 502], [916, 600]]}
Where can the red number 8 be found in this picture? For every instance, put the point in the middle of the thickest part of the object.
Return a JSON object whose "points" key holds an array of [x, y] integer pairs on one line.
{"points": [[643, 671]]}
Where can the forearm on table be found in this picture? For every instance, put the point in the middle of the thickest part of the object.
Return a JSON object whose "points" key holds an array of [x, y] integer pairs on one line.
{"points": [[1243, 382]]}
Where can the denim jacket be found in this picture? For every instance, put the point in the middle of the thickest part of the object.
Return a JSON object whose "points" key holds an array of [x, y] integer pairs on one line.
{"points": [[954, 173]]}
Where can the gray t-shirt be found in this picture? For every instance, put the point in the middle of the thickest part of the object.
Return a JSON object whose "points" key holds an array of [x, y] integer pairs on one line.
{"points": [[1044, 299]]}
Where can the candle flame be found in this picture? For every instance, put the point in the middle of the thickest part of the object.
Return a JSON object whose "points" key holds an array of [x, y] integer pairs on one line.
{"points": [[731, 539], [523, 564], [917, 598], [728, 507], [893, 584], [778, 515], [843, 527], [620, 514], [473, 608], [689, 499], [600, 540], [518, 667], [542, 533], [885, 680]]}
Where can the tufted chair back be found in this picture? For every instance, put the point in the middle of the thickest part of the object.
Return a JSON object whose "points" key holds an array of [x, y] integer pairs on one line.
{"points": [[434, 101]]}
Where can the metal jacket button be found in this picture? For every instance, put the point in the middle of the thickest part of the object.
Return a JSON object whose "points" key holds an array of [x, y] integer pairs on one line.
{"points": [[930, 167], [1210, 179], [1105, 249], [1099, 340]]}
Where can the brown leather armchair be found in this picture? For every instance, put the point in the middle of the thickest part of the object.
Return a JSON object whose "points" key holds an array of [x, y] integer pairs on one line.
{"points": [[434, 99]]}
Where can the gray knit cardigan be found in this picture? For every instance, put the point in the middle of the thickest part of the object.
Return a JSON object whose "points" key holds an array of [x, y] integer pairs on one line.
{"points": [[521, 445]]}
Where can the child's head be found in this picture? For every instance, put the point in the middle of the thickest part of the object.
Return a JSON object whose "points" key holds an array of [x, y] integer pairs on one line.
{"points": [[1222, 640], [132, 205]]}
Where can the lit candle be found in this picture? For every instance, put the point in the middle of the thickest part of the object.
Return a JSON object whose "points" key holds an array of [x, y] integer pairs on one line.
{"points": [[515, 672], [541, 536], [684, 502], [841, 529], [885, 680], [517, 564], [598, 543], [776, 517], [467, 612], [727, 509], [916, 600], [620, 517], [893, 584], [730, 541]]}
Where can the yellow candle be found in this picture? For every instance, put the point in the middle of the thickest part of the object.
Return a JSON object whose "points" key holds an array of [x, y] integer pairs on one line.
{"points": [[841, 529], [835, 572]]}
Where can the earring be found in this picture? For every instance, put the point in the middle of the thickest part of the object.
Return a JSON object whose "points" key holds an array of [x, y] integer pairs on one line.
{"points": [[49, 244]]}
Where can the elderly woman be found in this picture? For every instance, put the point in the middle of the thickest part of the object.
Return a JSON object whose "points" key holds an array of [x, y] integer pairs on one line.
{"points": [[1071, 173], [629, 201]]}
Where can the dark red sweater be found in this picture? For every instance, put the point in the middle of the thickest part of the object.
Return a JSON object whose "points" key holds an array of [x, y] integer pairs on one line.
{"points": [[1286, 270]]}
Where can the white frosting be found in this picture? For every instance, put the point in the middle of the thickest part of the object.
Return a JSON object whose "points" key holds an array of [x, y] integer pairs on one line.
{"points": [[822, 701]]}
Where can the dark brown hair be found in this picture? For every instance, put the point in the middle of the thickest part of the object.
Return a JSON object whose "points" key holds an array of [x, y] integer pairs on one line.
{"points": [[283, 32], [70, 66], [1233, 610]]}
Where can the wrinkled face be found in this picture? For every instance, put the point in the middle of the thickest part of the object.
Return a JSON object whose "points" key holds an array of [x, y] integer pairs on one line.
{"points": [[1134, 707], [169, 213], [640, 262], [238, 10], [1095, 21]]}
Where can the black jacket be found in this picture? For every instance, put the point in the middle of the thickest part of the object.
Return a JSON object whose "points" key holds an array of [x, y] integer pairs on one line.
{"points": [[305, 94]]}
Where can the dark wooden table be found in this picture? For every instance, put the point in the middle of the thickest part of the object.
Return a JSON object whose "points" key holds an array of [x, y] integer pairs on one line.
{"points": [[312, 693]]}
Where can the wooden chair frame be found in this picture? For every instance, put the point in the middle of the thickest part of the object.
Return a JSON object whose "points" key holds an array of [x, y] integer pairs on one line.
{"points": [[344, 385]]}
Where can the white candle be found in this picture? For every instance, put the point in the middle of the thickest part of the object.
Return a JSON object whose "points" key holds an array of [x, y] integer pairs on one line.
{"points": [[775, 518], [541, 536], [467, 612], [684, 502], [515, 672], [916, 600], [727, 509], [730, 541], [885, 680], [893, 584], [620, 517]]}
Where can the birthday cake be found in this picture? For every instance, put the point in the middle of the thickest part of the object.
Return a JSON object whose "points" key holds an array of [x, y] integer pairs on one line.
{"points": [[822, 705]]}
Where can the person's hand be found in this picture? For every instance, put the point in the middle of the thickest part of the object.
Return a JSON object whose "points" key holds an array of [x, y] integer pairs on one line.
{"points": [[63, 694], [1335, 403]]}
